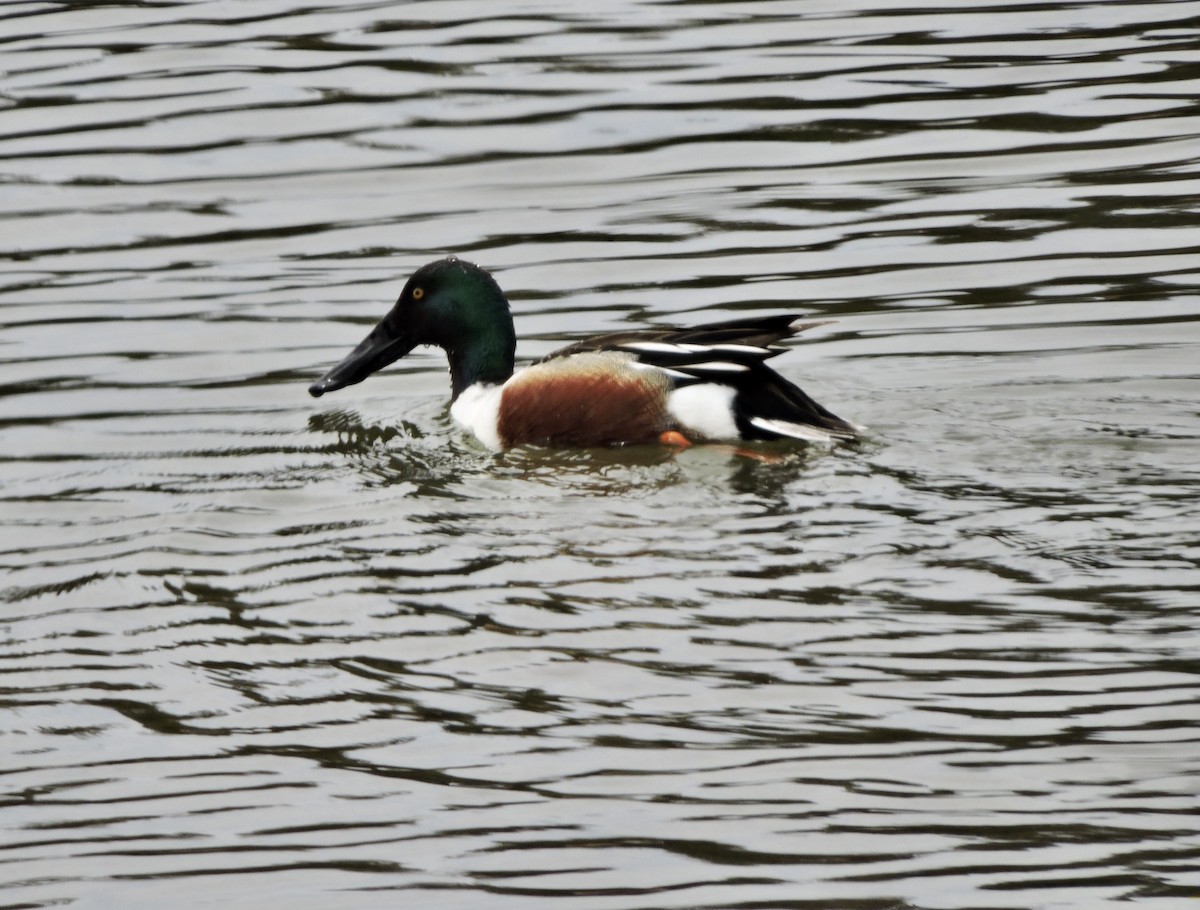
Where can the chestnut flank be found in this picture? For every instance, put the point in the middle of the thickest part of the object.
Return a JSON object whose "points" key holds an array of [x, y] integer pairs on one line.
{"points": [[584, 400]]}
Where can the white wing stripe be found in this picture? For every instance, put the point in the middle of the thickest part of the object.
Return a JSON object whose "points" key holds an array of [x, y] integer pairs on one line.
{"points": [[729, 348], [714, 366], [794, 430], [653, 347], [674, 374]]}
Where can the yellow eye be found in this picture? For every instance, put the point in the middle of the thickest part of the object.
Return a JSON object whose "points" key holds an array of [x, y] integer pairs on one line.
{"points": [[418, 293]]}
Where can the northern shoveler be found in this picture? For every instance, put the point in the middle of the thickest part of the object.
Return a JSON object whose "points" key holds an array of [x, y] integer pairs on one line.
{"points": [[674, 386]]}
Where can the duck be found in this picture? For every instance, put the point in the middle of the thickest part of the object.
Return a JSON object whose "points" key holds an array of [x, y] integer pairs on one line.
{"points": [[675, 386]]}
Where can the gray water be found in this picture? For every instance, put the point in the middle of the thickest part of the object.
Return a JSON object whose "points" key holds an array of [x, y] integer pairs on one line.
{"points": [[261, 650]]}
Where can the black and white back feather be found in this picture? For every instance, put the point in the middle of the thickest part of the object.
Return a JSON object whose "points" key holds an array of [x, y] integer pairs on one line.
{"points": [[733, 354]]}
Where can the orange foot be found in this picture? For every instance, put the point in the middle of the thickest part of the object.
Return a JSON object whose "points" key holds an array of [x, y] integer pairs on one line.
{"points": [[674, 438], [677, 439]]}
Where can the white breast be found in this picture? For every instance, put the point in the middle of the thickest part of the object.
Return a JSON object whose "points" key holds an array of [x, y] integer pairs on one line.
{"points": [[477, 409]]}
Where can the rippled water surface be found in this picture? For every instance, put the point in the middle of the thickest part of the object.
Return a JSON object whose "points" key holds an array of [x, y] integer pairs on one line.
{"points": [[261, 650]]}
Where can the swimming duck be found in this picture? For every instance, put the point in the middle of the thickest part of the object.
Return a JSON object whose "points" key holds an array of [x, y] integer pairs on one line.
{"points": [[674, 386]]}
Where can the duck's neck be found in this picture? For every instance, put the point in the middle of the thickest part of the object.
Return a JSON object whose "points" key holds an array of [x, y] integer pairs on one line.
{"points": [[481, 360]]}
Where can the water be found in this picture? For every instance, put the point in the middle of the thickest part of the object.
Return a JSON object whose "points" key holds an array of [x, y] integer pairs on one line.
{"points": [[264, 649]]}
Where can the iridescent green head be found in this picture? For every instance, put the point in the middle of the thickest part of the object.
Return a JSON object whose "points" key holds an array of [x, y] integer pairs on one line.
{"points": [[452, 304]]}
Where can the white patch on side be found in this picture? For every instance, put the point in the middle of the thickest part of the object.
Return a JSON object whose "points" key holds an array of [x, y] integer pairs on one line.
{"points": [[705, 410], [477, 409], [794, 430]]}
